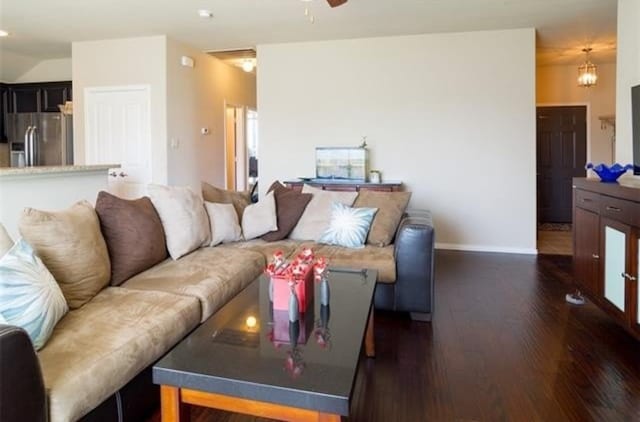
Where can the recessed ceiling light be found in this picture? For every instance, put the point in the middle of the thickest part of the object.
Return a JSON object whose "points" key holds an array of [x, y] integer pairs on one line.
{"points": [[203, 13], [4, 33], [248, 65]]}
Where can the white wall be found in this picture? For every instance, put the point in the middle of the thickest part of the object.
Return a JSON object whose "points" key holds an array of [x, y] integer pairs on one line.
{"points": [[12, 65], [47, 71], [183, 100], [628, 74], [451, 115], [195, 100], [558, 85], [120, 62], [46, 191]]}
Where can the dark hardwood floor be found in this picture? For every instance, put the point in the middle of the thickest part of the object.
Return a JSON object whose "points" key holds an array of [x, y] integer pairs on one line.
{"points": [[503, 346]]}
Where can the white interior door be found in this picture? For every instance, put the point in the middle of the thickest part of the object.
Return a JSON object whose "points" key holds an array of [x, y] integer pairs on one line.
{"points": [[118, 131]]}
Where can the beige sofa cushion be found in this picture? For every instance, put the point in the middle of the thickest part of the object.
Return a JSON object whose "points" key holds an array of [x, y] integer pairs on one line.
{"points": [[391, 207], [213, 275], [240, 200], [260, 218], [267, 249], [71, 246], [97, 349], [373, 257], [184, 218], [6, 242], [315, 218]]}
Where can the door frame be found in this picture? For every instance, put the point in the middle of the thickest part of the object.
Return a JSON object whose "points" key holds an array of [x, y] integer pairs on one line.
{"points": [[587, 118], [227, 104]]}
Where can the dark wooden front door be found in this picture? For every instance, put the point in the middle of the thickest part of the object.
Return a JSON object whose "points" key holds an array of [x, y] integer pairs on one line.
{"points": [[561, 155]]}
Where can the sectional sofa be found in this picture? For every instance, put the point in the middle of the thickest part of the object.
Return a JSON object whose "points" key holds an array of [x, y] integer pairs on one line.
{"points": [[96, 365]]}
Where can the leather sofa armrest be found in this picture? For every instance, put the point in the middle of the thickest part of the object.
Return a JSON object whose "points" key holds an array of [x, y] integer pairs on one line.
{"points": [[414, 254], [22, 393]]}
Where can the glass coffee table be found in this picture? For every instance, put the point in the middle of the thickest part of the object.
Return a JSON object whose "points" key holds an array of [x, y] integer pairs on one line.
{"points": [[248, 358]]}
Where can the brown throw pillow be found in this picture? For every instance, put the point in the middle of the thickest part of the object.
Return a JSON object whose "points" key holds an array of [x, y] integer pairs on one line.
{"points": [[289, 207], [71, 246], [391, 207], [240, 200], [134, 235]]}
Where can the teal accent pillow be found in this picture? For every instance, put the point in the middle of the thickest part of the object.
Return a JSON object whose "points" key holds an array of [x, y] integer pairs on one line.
{"points": [[30, 298], [348, 226]]}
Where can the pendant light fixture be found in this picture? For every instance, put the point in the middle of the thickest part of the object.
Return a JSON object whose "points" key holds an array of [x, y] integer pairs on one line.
{"points": [[587, 72]]}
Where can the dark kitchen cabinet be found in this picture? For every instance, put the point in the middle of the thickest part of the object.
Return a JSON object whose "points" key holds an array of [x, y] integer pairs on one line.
{"points": [[39, 97], [4, 110], [25, 99], [53, 95], [31, 98]]}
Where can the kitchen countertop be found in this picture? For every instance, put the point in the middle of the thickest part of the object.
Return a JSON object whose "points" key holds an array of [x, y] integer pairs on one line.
{"points": [[42, 170]]}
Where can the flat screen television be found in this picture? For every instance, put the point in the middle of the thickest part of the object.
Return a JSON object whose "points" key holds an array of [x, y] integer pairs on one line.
{"points": [[635, 117]]}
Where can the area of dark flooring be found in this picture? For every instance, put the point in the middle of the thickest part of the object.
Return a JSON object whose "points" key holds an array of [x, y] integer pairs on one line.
{"points": [[503, 346]]}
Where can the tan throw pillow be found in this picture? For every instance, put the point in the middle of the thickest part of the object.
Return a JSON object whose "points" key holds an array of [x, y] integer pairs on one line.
{"points": [[224, 223], [184, 219], [134, 235], [260, 218], [71, 246], [316, 217], [239, 200], [391, 207], [6, 242]]}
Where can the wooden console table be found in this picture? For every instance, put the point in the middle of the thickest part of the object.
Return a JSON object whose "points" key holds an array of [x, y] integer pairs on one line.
{"points": [[340, 185], [606, 247]]}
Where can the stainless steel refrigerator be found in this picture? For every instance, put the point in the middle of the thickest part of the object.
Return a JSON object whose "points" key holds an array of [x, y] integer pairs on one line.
{"points": [[40, 139]]}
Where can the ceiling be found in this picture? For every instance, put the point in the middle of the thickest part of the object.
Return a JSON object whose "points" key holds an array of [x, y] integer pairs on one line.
{"points": [[44, 29]]}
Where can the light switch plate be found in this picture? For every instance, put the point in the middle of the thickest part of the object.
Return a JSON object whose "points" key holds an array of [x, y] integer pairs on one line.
{"points": [[175, 143]]}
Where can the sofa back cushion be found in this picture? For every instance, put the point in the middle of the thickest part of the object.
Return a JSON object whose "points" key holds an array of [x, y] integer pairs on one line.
{"points": [[391, 207], [260, 218], [30, 298], [289, 208], [184, 219], [223, 220], [316, 216], [239, 200], [70, 244], [134, 235]]}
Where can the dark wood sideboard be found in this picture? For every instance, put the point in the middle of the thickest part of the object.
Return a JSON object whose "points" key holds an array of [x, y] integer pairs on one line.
{"points": [[392, 186], [606, 247]]}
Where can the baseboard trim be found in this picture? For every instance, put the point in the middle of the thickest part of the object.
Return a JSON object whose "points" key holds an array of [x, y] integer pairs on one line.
{"points": [[480, 248]]}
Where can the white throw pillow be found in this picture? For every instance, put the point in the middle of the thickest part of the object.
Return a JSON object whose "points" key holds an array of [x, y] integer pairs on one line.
{"points": [[223, 220], [30, 298], [184, 219], [317, 215], [260, 218], [6, 242]]}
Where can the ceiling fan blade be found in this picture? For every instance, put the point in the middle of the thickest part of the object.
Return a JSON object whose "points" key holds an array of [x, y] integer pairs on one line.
{"points": [[336, 3]]}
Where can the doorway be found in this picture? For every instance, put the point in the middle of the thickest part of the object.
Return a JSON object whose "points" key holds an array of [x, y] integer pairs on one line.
{"points": [[241, 148], [561, 154]]}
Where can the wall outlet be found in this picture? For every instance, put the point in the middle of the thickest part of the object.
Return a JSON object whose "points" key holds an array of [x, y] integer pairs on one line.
{"points": [[174, 143]]}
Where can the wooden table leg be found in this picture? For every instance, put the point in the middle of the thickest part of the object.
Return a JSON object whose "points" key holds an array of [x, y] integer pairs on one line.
{"points": [[172, 410], [369, 340]]}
